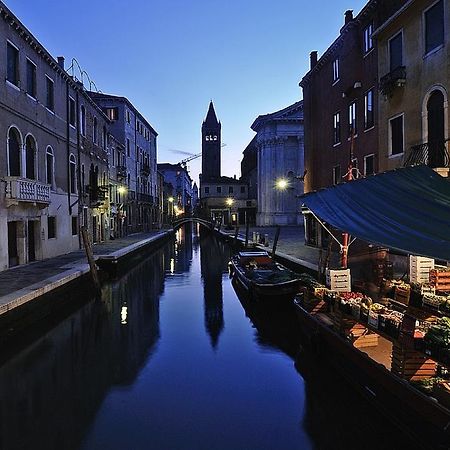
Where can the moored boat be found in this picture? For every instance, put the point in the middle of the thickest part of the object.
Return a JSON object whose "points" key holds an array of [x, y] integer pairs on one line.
{"points": [[262, 277]]}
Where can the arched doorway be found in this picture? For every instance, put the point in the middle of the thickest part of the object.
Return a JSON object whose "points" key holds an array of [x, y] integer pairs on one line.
{"points": [[437, 156]]}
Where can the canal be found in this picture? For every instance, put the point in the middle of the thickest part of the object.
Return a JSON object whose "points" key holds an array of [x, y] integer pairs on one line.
{"points": [[170, 359]]}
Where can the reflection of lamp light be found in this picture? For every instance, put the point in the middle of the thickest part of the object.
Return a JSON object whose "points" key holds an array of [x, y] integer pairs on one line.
{"points": [[170, 199], [281, 184]]}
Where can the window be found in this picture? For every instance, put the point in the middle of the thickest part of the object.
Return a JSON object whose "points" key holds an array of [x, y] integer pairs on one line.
{"points": [[434, 26], [369, 168], [248, 203], [355, 171], [83, 178], [128, 116], [74, 225], [83, 120], [219, 189], [72, 118], [128, 147], [396, 52], [242, 189], [14, 153], [335, 70], [30, 158], [94, 130], [31, 78], [207, 190], [72, 174], [51, 227], [368, 42], [49, 163], [352, 119], [368, 110], [396, 146], [104, 136], [336, 128], [230, 189], [50, 97], [112, 113], [336, 174], [12, 64]]}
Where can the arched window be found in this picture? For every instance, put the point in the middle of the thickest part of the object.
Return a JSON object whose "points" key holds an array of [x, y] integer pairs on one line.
{"points": [[94, 130], [83, 120], [14, 151], [30, 158], [72, 174], [128, 180], [50, 166]]}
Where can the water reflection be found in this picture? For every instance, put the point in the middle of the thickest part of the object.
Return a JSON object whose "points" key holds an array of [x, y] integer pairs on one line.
{"points": [[51, 391], [214, 257]]}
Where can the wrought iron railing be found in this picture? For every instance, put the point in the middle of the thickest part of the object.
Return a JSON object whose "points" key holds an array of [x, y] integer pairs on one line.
{"points": [[147, 198], [121, 171], [392, 80], [432, 154], [97, 194]]}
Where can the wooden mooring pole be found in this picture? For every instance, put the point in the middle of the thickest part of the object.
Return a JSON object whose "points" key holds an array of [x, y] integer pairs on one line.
{"points": [[236, 234], [90, 258], [275, 241], [247, 230]]}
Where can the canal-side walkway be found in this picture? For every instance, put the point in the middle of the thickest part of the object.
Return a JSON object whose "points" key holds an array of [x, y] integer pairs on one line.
{"points": [[24, 283]]}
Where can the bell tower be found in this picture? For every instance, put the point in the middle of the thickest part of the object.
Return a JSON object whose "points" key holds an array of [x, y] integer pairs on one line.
{"points": [[211, 145]]}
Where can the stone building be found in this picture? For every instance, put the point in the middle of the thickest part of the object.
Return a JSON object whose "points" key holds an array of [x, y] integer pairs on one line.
{"points": [[211, 145], [249, 175], [279, 139], [53, 164], [414, 71], [138, 137]]}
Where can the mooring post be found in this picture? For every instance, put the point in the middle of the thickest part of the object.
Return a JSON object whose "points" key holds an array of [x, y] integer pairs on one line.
{"points": [[275, 241], [236, 234], [247, 230], [90, 258]]}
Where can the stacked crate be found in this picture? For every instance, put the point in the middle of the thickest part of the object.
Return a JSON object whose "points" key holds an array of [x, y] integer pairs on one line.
{"points": [[440, 279], [402, 294], [410, 364], [362, 337], [339, 280], [419, 269]]}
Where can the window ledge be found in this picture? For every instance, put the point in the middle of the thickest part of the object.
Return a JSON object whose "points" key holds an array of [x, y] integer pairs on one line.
{"points": [[50, 111], [335, 82], [11, 84], [31, 97], [354, 137], [432, 52], [369, 52], [397, 155], [72, 126], [369, 129], [337, 144]]}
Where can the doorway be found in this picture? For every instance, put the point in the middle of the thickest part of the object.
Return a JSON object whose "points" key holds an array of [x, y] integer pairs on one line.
{"points": [[31, 241], [436, 132], [13, 257]]}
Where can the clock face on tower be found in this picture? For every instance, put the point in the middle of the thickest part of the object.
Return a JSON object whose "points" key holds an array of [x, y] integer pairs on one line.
{"points": [[211, 137]]}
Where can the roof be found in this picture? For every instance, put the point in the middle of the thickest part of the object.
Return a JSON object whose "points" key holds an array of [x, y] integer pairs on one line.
{"points": [[406, 209], [288, 113], [121, 99], [211, 118]]}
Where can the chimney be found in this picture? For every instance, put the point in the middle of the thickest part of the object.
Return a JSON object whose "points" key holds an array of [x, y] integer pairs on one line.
{"points": [[61, 62], [348, 16], [313, 59]]}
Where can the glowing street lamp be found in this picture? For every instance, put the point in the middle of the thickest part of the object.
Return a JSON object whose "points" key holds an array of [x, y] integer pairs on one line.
{"points": [[122, 190], [281, 184], [229, 202]]}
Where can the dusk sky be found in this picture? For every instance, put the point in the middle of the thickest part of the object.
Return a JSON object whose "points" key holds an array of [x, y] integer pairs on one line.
{"points": [[170, 57]]}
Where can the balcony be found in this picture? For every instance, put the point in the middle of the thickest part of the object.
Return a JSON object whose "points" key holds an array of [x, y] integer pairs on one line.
{"points": [[25, 190], [145, 198], [131, 195], [145, 170], [97, 195], [432, 154], [392, 80], [121, 171]]}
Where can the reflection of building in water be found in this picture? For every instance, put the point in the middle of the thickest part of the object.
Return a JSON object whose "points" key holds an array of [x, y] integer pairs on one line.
{"points": [[213, 265], [178, 256], [51, 391]]}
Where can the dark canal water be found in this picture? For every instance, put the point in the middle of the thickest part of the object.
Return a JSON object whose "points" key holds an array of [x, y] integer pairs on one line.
{"points": [[171, 360]]}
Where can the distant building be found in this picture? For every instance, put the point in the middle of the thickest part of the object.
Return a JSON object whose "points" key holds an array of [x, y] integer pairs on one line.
{"points": [[138, 137], [249, 175], [413, 58], [178, 176], [279, 140], [211, 145]]}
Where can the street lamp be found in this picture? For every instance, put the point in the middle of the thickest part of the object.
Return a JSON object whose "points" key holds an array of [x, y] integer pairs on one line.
{"points": [[170, 210], [229, 202], [281, 184]]}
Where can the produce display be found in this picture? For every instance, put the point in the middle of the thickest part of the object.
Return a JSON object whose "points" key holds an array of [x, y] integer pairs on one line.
{"points": [[437, 340]]}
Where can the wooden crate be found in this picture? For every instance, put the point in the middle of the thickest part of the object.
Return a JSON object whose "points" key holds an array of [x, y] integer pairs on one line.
{"points": [[410, 364], [402, 294], [367, 340], [440, 279]]}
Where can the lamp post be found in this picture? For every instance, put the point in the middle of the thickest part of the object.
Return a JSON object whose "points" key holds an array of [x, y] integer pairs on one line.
{"points": [[170, 209]]}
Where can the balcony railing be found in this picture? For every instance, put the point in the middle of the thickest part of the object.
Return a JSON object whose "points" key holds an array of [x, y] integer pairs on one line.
{"points": [[392, 80], [25, 190], [97, 194], [121, 171], [145, 170], [146, 198], [432, 154]]}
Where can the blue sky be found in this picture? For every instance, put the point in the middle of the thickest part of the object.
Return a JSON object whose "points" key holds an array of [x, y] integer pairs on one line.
{"points": [[170, 57]]}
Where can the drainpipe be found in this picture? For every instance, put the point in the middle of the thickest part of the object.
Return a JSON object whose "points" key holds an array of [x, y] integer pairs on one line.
{"points": [[68, 146], [80, 187]]}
